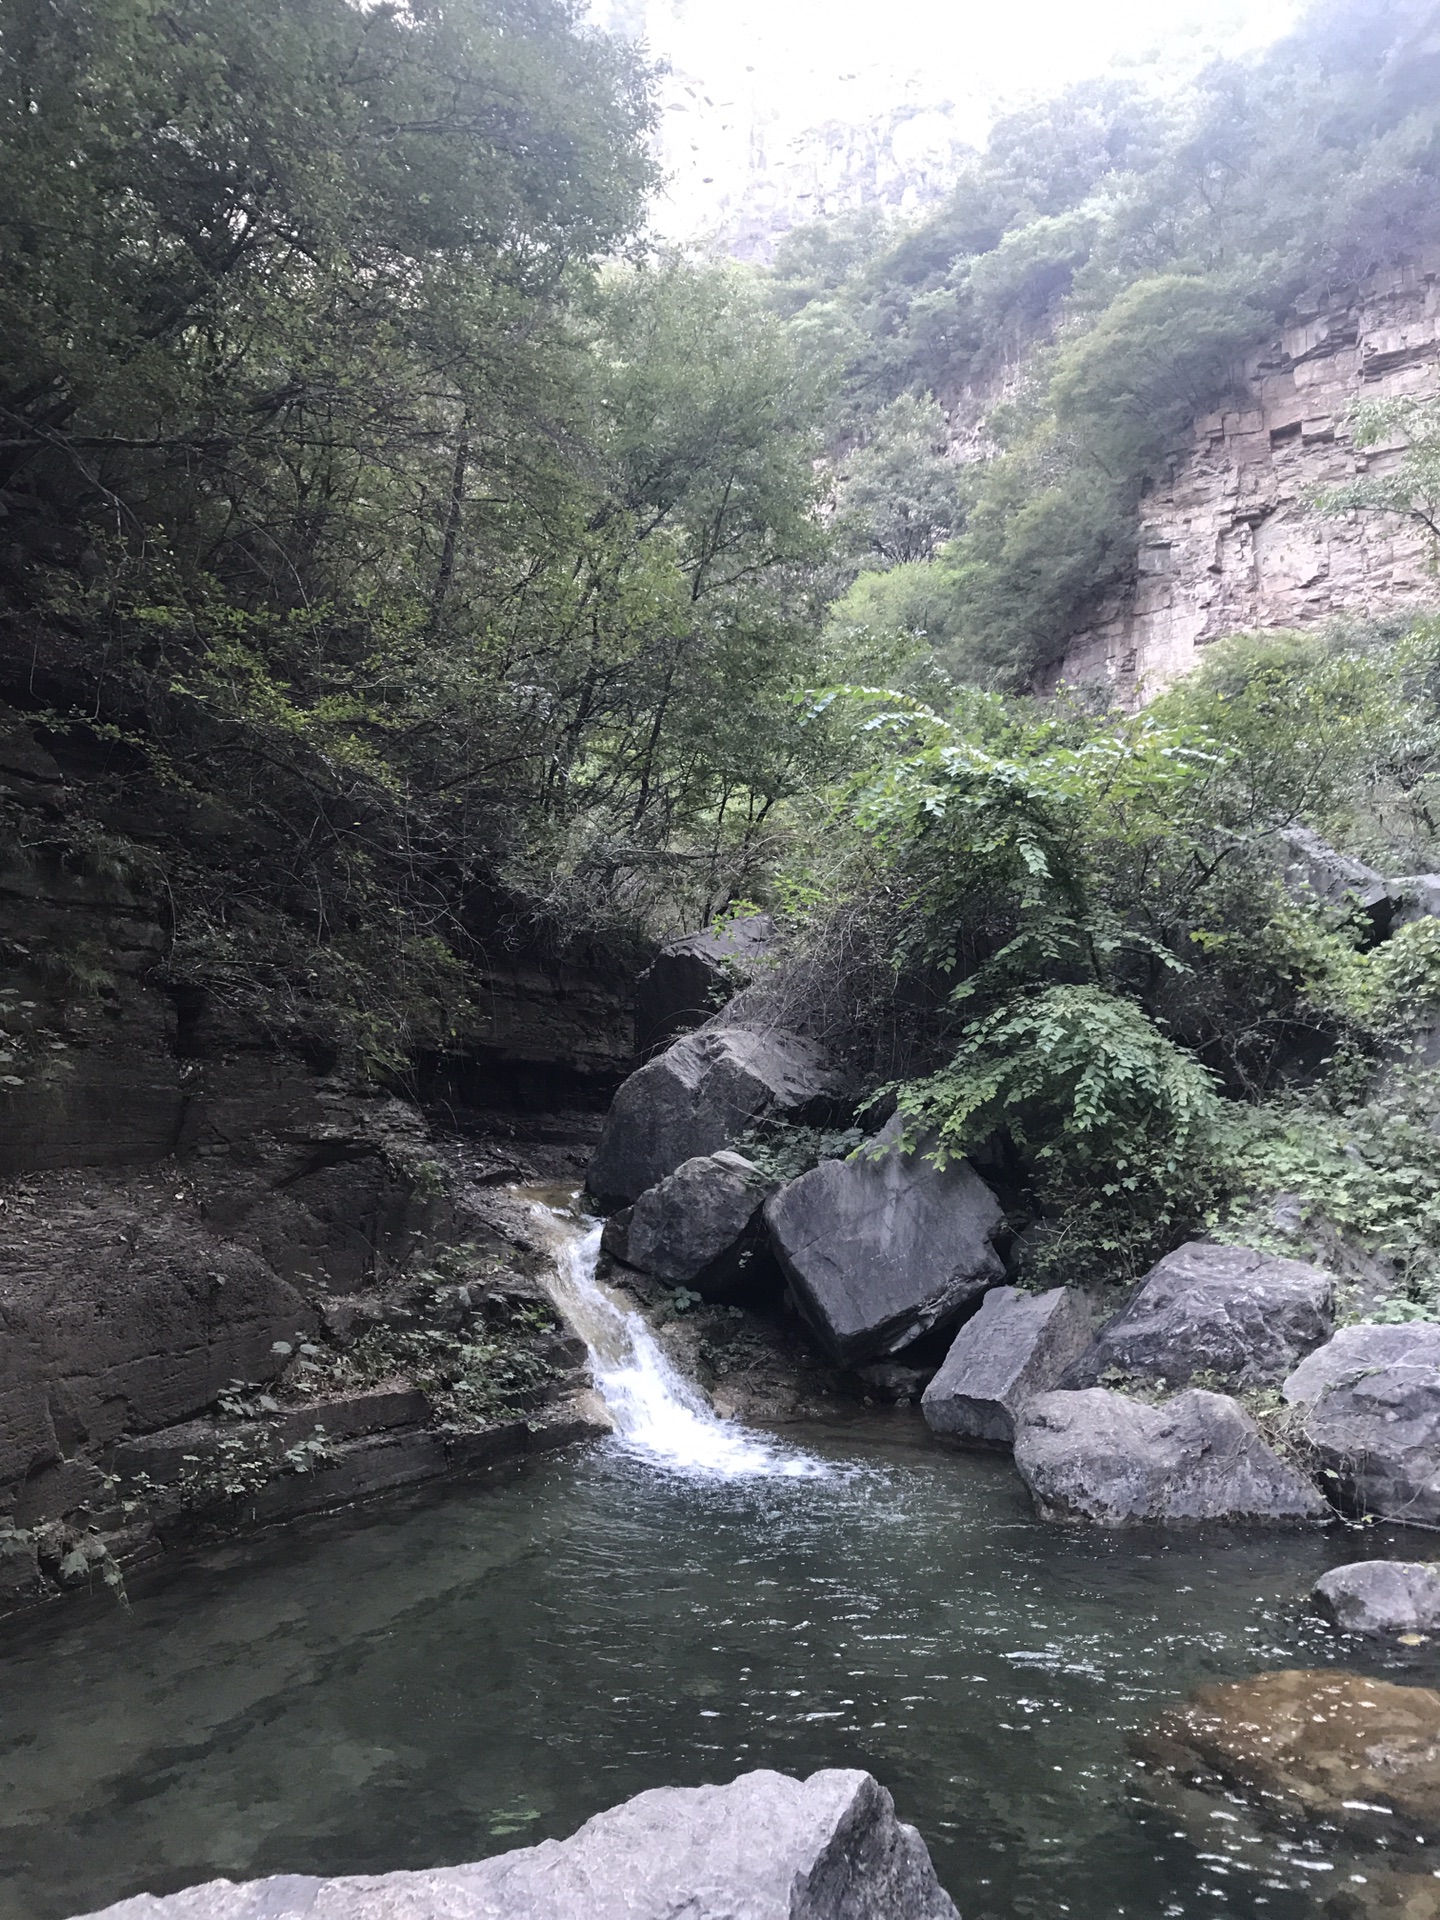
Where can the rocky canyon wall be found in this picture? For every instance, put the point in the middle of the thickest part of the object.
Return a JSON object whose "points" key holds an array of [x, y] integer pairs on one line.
{"points": [[1227, 543]]}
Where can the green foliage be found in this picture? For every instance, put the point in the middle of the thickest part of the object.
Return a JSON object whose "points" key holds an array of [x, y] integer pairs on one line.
{"points": [[1410, 490], [781, 1150], [1114, 1125]]}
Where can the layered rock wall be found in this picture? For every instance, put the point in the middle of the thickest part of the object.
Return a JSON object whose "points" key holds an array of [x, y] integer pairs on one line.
{"points": [[1227, 542]]}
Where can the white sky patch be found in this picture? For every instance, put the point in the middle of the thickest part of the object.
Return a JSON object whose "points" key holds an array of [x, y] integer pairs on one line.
{"points": [[817, 103]]}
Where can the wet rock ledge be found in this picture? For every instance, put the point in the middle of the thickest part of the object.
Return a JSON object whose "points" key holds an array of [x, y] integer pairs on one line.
{"points": [[765, 1847]]}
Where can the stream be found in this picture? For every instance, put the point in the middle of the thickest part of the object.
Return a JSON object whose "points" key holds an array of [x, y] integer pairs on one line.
{"points": [[485, 1665]]}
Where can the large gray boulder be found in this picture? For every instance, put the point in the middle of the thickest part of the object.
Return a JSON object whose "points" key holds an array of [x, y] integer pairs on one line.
{"points": [[1371, 1400], [882, 1247], [1416, 896], [1243, 1316], [1099, 1456], [1381, 1596], [698, 1096], [701, 1226], [766, 1847], [692, 978], [1016, 1346], [1314, 871]]}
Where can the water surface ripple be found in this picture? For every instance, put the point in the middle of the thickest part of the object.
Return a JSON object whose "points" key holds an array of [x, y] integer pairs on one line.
{"points": [[469, 1671]]}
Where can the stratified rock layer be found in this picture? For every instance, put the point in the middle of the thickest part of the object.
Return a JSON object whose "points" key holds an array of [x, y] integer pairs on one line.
{"points": [[697, 1097], [1016, 1346], [766, 1847], [884, 1246], [1372, 1411], [1099, 1456], [1241, 1316], [1381, 1596]]}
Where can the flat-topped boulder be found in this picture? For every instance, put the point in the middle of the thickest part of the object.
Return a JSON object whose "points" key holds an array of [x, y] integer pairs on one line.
{"points": [[1371, 1400], [701, 1226], [1235, 1314], [884, 1246], [765, 1847], [690, 980], [699, 1096], [1016, 1346], [1101, 1456], [1381, 1596]]}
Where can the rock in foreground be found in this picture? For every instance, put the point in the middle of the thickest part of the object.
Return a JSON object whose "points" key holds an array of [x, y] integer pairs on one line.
{"points": [[1310, 1745], [1096, 1455], [1244, 1317], [1016, 1346], [700, 1227], [697, 1097], [884, 1246], [1381, 1596], [1372, 1410], [766, 1847]]}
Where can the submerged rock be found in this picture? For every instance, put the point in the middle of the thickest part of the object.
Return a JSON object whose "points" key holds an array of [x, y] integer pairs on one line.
{"points": [[1381, 1596], [700, 1227], [693, 977], [1309, 1746], [1096, 1455], [883, 1247], [1372, 1411], [1016, 1346], [765, 1847], [697, 1096], [1242, 1316]]}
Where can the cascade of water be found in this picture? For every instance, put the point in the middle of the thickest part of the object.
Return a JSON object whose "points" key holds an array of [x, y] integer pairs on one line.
{"points": [[657, 1412]]}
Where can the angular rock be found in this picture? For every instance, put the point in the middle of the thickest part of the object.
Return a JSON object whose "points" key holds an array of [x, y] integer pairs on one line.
{"points": [[19, 1565], [1372, 1411], [1243, 1316], [882, 1247], [1315, 871], [690, 980], [1096, 1455], [697, 1096], [701, 1226], [1016, 1346], [765, 1847], [1311, 1745], [1381, 1596], [1416, 897]]}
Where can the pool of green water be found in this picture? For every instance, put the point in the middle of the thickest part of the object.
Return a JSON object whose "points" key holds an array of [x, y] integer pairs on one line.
{"points": [[454, 1675]]}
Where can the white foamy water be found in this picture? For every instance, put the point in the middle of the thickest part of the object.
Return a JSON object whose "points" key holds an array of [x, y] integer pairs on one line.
{"points": [[657, 1412]]}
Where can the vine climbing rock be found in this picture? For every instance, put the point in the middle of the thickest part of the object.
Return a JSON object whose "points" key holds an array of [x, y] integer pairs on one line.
{"points": [[1371, 1409], [699, 1096], [1381, 1596], [765, 1847], [1016, 1346], [884, 1246], [689, 981], [1100, 1456], [1242, 1316]]}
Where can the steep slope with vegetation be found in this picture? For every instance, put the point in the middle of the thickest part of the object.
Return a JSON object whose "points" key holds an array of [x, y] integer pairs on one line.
{"points": [[1087, 292]]}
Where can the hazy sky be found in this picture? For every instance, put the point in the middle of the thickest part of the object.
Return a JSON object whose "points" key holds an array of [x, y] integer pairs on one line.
{"points": [[784, 66]]}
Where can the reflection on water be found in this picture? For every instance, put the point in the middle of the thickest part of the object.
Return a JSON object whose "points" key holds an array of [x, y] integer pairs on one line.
{"points": [[468, 1672]]}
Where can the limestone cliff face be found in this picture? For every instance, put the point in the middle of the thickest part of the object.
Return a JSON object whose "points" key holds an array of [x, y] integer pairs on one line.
{"points": [[1226, 542]]}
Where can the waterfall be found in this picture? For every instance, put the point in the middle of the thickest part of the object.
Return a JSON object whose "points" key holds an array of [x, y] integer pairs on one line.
{"points": [[658, 1413]]}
